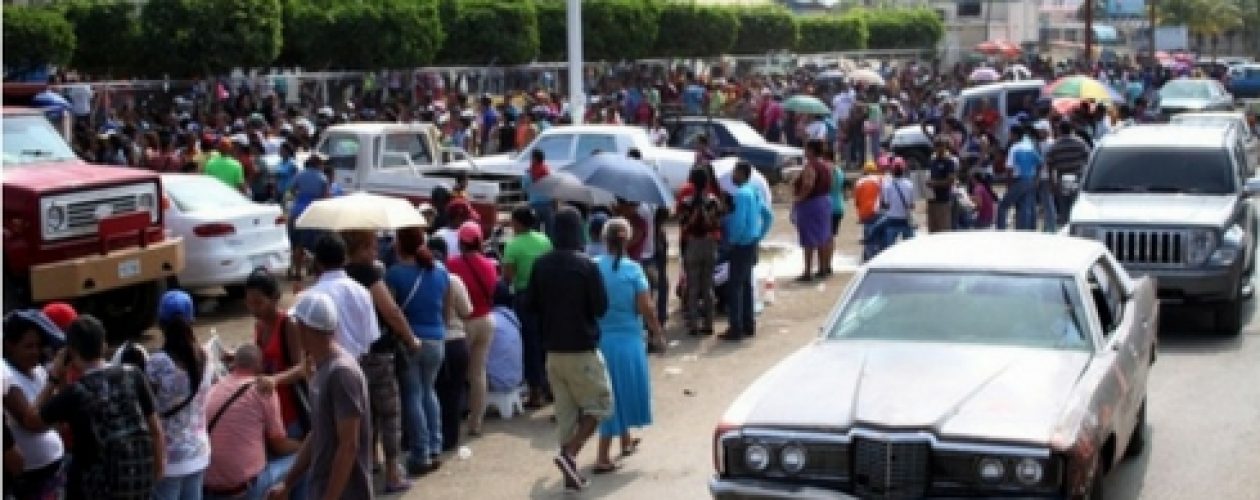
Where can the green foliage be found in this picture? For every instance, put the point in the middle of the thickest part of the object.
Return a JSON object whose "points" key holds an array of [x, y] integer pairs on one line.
{"points": [[191, 37], [35, 36], [553, 40], [902, 28], [832, 33], [691, 30], [107, 36], [766, 28], [401, 33], [617, 29], [485, 31]]}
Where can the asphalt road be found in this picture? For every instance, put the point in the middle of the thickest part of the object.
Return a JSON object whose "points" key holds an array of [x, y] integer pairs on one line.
{"points": [[1204, 408]]}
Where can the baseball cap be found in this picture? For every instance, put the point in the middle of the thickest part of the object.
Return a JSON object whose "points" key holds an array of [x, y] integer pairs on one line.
{"points": [[315, 310], [51, 333], [60, 313], [176, 303], [469, 232]]}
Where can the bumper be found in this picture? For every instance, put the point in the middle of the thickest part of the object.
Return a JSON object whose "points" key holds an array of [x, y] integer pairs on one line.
{"points": [[98, 273], [1196, 285], [750, 489], [223, 269]]}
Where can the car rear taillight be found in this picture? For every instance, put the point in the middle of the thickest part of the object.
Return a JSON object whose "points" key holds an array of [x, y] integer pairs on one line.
{"points": [[213, 229]]}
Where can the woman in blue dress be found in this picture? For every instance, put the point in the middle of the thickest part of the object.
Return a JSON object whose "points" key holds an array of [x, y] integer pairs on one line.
{"points": [[621, 343]]}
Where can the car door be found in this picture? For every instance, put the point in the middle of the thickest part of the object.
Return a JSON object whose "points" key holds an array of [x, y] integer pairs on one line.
{"points": [[557, 150], [1127, 326]]}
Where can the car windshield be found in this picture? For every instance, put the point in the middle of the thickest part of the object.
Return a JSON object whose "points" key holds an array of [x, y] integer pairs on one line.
{"points": [[31, 139], [1184, 89], [1160, 170], [966, 308], [342, 150], [1204, 120], [201, 193], [744, 134]]}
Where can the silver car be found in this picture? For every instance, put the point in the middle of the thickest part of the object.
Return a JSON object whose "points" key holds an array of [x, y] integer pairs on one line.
{"points": [[961, 364]]}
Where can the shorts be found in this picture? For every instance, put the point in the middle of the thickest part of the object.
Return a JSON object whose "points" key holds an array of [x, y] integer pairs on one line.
{"points": [[835, 224], [579, 382]]}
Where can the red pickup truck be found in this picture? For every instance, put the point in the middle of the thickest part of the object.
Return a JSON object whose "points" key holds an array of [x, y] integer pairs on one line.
{"points": [[88, 234]]}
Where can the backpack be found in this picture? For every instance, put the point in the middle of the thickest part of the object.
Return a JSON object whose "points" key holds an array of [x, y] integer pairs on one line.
{"points": [[124, 463]]}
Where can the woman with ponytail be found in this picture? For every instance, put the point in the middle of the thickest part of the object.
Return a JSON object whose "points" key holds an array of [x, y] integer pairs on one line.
{"points": [[180, 376], [621, 343], [421, 287]]}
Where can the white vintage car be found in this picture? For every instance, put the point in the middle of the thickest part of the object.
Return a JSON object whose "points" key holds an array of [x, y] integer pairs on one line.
{"points": [[972, 364]]}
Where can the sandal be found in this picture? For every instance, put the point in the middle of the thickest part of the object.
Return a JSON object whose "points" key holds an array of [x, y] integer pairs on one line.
{"points": [[391, 489], [631, 447], [605, 468]]}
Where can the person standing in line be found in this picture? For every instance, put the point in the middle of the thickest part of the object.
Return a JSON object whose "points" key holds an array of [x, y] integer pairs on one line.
{"points": [[358, 327], [1022, 160], [837, 214], [897, 197], [336, 458], [621, 344], [811, 211], [866, 201], [566, 293], [453, 378], [747, 224], [479, 276], [181, 375], [519, 256], [26, 334], [699, 213]]}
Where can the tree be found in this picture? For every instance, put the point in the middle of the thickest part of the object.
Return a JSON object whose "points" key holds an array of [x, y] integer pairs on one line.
{"points": [[35, 36], [617, 29], [191, 37], [107, 35], [766, 28], [404, 33], [491, 32], [553, 40], [832, 33], [690, 30]]}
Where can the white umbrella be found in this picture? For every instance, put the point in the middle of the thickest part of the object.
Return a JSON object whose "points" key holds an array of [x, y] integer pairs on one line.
{"points": [[362, 211], [565, 186], [868, 77]]}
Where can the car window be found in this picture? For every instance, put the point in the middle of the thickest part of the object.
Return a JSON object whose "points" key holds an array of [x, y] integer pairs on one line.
{"points": [[558, 148], [1251, 73], [32, 138], [399, 147], [589, 144], [971, 103], [1191, 171], [689, 134], [966, 308], [1021, 101], [342, 150], [202, 194], [743, 133], [1106, 295], [1184, 89]]}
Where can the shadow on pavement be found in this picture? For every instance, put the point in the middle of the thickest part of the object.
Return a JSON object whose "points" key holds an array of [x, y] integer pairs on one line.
{"points": [[1126, 480]]}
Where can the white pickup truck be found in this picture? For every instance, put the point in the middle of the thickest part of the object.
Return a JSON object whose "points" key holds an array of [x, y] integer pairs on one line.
{"points": [[406, 160]]}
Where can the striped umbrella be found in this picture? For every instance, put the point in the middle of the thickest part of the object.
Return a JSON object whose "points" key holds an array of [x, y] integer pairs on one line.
{"points": [[1082, 87]]}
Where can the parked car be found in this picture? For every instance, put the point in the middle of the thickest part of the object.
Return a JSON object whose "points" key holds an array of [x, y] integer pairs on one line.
{"points": [[1010, 98], [1224, 119], [730, 137], [89, 234], [1244, 80], [943, 373], [1174, 202], [228, 235], [1193, 94]]}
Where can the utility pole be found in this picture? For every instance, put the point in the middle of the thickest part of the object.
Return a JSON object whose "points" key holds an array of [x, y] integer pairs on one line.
{"points": [[1089, 35], [988, 20], [1150, 14], [577, 84]]}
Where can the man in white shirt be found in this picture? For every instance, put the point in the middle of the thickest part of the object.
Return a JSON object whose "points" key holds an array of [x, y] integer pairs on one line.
{"points": [[358, 327], [897, 196]]}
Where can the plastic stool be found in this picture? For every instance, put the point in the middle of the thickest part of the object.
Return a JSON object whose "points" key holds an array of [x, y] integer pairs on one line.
{"points": [[507, 404]]}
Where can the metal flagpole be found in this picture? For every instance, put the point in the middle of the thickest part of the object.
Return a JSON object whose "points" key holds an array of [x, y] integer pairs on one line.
{"points": [[577, 86]]}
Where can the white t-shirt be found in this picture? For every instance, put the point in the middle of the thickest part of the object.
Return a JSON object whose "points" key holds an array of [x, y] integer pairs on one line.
{"points": [[80, 99], [38, 448], [899, 204], [841, 105]]}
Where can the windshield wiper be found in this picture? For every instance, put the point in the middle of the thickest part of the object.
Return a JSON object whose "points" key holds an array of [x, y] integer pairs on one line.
{"points": [[1115, 189], [35, 152], [1170, 189]]}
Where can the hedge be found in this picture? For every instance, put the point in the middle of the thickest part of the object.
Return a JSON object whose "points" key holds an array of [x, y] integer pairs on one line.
{"points": [[490, 31], [764, 29], [107, 36], [553, 38], [404, 33], [903, 28], [193, 37], [34, 36], [690, 30], [832, 33]]}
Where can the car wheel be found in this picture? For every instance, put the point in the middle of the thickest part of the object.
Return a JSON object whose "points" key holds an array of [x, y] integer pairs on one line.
{"points": [[1228, 316], [126, 312], [1137, 442]]}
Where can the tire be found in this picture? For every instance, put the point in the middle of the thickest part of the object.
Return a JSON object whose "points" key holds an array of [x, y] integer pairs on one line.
{"points": [[1228, 316], [1137, 443], [126, 312]]}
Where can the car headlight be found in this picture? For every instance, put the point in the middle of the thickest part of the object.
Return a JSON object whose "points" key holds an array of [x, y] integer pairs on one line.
{"points": [[1230, 248], [1202, 244], [792, 458], [55, 218], [1029, 471], [757, 457], [991, 470]]}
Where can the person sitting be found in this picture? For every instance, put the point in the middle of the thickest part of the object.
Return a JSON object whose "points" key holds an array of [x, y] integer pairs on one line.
{"points": [[503, 366], [245, 429]]}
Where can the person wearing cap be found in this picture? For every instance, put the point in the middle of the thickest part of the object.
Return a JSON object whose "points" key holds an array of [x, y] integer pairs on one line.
{"points": [[866, 200], [479, 275], [336, 458], [181, 374], [223, 165], [308, 185], [27, 333], [519, 256]]}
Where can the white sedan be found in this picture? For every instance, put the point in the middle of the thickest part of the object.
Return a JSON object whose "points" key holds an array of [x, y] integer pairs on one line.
{"points": [[226, 236]]}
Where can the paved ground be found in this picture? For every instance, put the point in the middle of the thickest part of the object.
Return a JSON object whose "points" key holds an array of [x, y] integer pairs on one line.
{"points": [[1204, 416]]}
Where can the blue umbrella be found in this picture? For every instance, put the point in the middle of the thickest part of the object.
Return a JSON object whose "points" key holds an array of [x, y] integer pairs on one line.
{"points": [[50, 101], [624, 177]]}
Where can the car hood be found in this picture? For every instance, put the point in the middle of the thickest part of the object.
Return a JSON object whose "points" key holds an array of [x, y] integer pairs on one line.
{"points": [[494, 164], [955, 391], [1153, 208], [1184, 103], [70, 175]]}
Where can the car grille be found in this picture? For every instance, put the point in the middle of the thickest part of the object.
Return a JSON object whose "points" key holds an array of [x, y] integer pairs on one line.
{"points": [[890, 469], [1147, 247], [83, 214]]}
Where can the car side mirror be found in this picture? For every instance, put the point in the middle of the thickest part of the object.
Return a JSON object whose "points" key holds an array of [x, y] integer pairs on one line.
{"points": [[1252, 187]]}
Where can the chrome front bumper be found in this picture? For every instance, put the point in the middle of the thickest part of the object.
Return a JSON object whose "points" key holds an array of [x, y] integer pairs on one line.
{"points": [[751, 489]]}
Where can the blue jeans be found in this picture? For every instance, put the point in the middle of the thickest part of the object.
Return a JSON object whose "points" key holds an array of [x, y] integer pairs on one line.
{"points": [[1049, 213], [739, 304], [421, 414], [894, 227], [1021, 195], [186, 487], [871, 243]]}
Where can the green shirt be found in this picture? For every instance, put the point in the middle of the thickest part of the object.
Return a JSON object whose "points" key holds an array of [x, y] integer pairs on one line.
{"points": [[837, 191], [226, 169], [521, 252]]}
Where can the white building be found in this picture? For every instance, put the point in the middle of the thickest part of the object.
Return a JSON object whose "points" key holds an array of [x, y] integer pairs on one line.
{"points": [[970, 22]]}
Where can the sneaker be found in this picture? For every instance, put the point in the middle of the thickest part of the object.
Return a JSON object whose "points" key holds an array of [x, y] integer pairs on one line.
{"points": [[568, 467]]}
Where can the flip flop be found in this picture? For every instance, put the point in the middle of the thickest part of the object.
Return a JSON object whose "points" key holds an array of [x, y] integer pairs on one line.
{"points": [[605, 468], [391, 489], [627, 450]]}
